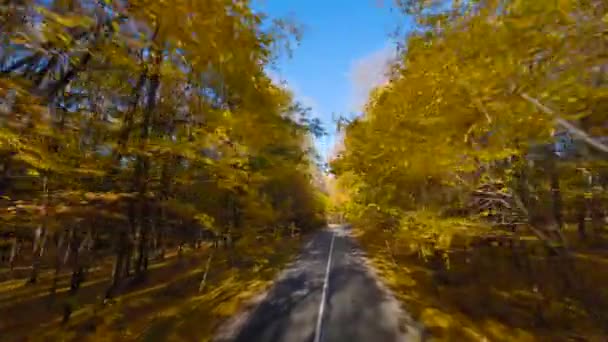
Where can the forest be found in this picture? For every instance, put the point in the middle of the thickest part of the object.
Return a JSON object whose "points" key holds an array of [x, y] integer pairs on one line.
{"points": [[137, 138], [477, 173], [155, 175]]}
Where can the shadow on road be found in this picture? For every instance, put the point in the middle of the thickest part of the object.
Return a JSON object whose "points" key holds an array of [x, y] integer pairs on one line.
{"points": [[289, 311], [273, 319], [358, 309]]}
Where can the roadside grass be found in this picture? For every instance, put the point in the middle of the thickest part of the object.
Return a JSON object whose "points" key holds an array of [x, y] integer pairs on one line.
{"points": [[488, 294], [167, 306]]}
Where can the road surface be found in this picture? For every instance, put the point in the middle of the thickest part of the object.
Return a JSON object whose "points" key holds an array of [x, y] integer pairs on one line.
{"points": [[327, 294]]}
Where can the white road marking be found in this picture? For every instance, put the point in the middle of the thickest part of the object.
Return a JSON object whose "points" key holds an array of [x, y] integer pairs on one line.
{"points": [[319, 325]]}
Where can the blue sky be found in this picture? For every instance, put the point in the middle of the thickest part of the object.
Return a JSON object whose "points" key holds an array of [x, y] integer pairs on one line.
{"points": [[344, 49]]}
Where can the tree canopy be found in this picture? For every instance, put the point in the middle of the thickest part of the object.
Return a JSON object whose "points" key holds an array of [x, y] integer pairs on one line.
{"points": [[145, 125]]}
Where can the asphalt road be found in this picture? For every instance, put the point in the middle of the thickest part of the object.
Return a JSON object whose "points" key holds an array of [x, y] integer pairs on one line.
{"points": [[326, 294]]}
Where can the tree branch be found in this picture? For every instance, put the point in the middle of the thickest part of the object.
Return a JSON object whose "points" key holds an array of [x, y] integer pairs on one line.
{"points": [[23, 61], [567, 125]]}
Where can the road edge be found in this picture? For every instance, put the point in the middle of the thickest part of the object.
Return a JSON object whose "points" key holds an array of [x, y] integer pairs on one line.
{"points": [[406, 321], [232, 326]]}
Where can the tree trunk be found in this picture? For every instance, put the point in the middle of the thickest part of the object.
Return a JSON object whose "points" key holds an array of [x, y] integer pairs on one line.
{"points": [[85, 251], [597, 215], [127, 124], [130, 238], [161, 234], [5, 174], [128, 257], [581, 218], [15, 248], [201, 286], [166, 177], [58, 263], [142, 251], [41, 234], [119, 264], [556, 196], [38, 252], [522, 186], [76, 278], [143, 167]]}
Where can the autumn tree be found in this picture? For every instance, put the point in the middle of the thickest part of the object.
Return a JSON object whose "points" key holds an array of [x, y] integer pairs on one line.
{"points": [[465, 107], [143, 126]]}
